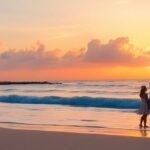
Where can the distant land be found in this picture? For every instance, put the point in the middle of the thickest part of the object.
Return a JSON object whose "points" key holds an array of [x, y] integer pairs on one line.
{"points": [[27, 82]]}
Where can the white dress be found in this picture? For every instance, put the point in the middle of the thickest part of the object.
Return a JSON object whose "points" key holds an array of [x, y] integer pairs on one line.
{"points": [[143, 110]]}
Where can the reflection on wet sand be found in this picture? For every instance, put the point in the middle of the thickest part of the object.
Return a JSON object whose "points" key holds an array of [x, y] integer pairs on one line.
{"points": [[79, 129], [144, 133]]}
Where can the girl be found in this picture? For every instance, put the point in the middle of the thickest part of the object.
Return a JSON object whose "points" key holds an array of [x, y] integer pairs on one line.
{"points": [[143, 110]]}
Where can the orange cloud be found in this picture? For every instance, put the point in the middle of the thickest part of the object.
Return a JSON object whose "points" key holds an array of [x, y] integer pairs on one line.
{"points": [[118, 52]]}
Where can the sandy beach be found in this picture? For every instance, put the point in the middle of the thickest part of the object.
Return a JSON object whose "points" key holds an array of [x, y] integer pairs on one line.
{"points": [[74, 75], [12, 139]]}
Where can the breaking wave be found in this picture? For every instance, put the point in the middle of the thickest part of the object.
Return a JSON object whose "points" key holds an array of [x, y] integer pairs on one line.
{"points": [[74, 101]]}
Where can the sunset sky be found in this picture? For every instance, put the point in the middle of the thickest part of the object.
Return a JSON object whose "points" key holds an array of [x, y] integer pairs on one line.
{"points": [[74, 39]]}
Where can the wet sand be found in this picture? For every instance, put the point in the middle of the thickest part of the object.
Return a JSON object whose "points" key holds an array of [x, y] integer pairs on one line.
{"points": [[12, 139]]}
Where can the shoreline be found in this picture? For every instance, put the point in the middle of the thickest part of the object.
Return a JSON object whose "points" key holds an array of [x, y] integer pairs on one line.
{"points": [[79, 130], [12, 139]]}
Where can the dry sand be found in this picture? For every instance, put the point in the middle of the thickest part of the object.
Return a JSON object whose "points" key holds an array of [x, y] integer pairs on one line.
{"points": [[11, 139]]}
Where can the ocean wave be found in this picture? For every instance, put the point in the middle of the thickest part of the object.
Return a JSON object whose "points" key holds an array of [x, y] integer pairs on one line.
{"points": [[74, 101]]}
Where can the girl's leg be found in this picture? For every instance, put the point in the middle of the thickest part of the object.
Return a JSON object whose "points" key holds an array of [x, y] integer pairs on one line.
{"points": [[141, 121], [145, 120]]}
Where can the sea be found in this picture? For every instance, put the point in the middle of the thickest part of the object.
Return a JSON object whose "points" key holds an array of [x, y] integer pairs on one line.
{"points": [[93, 104]]}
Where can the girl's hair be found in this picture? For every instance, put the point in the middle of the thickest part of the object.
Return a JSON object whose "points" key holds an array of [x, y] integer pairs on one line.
{"points": [[142, 92]]}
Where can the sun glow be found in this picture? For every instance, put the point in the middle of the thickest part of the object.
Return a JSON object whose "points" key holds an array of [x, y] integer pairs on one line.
{"points": [[66, 30]]}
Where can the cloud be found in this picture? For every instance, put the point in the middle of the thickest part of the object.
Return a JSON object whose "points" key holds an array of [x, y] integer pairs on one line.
{"points": [[118, 52], [28, 58]]}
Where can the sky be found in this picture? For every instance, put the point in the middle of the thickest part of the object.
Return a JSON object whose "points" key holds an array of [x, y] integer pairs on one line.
{"points": [[74, 40]]}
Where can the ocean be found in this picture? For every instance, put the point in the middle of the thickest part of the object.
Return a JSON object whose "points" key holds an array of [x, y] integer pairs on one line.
{"points": [[99, 104]]}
